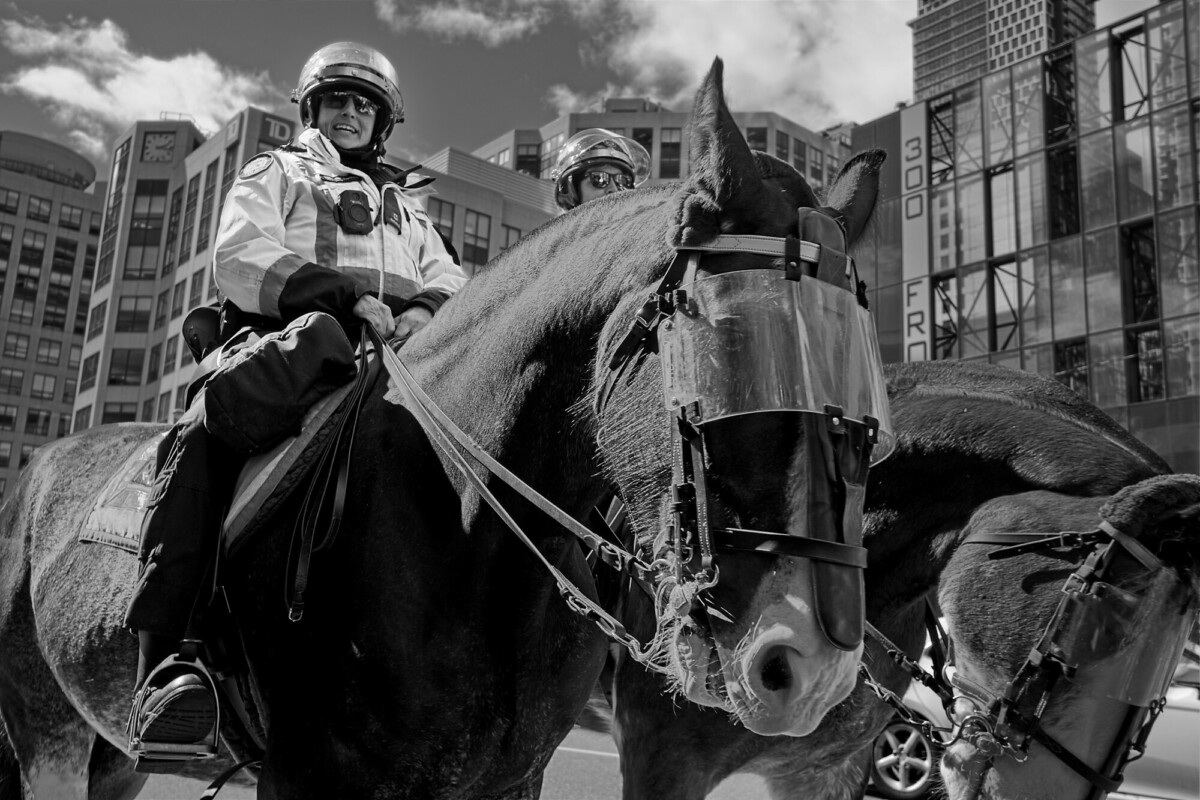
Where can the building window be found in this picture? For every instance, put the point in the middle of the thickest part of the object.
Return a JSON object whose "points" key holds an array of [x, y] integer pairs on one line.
{"points": [[11, 380], [29, 264], [1141, 273], [196, 295], [133, 314], [177, 298], [5, 454], [37, 422], [670, 153], [39, 209], [155, 361], [64, 426], [945, 317], [529, 159], [161, 309], [125, 367], [112, 216], [1002, 208], [511, 236], [477, 230], [87, 374], [169, 249], [941, 139], [96, 320], [1146, 375], [181, 398], [26, 454], [58, 296], [799, 156], [189, 218], [1062, 183], [6, 240], [204, 230], [43, 387], [9, 200], [70, 217], [148, 410], [816, 166], [16, 345], [1134, 173], [69, 386], [164, 407], [21, 311], [74, 354], [441, 214], [170, 352], [781, 145], [1071, 365], [230, 170], [83, 418], [145, 230], [549, 151], [119, 412], [8, 418]]}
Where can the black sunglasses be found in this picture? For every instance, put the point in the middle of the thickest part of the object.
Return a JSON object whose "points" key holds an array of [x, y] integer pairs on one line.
{"points": [[336, 101], [600, 179]]}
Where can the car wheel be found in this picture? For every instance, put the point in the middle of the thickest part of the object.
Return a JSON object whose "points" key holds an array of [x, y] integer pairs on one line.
{"points": [[903, 761]]}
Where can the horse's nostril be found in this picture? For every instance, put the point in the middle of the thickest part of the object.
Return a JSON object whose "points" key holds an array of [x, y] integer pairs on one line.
{"points": [[776, 674]]}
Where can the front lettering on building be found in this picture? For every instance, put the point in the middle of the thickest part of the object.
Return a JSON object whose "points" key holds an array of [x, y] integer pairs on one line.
{"points": [[914, 227], [275, 130]]}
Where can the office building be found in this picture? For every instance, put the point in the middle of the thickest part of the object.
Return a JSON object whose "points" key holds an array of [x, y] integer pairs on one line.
{"points": [[50, 210], [1044, 216], [958, 41]]}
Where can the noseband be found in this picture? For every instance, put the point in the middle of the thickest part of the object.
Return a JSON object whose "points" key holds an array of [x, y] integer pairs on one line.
{"points": [[1005, 724]]}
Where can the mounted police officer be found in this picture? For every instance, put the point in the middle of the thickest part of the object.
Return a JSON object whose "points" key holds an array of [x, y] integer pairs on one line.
{"points": [[315, 238], [596, 162]]}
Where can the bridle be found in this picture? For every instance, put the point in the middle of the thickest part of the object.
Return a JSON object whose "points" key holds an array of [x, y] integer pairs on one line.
{"points": [[692, 539], [1005, 724]]}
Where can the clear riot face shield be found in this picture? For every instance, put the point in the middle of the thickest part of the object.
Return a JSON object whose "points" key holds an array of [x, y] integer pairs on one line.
{"points": [[758, 341]]}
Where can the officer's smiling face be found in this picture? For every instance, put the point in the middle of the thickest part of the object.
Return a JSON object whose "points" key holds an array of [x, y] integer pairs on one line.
{"points": [[343, 124]]}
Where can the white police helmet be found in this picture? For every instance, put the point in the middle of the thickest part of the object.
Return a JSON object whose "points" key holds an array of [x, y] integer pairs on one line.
{"points": [[351, 67], [595, 147]]}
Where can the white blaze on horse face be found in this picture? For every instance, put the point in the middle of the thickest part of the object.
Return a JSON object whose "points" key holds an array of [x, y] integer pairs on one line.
{"points": [[779, 675]]}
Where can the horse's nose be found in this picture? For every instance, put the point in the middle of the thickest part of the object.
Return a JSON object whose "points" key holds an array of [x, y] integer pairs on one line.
{"points": [[775, 668]]}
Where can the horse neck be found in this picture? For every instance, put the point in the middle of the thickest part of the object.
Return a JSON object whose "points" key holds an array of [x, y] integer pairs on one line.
{"points": [[510, 357]]}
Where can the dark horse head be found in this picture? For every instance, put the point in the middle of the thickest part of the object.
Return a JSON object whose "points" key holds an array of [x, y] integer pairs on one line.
{"points": [[756, 393]]}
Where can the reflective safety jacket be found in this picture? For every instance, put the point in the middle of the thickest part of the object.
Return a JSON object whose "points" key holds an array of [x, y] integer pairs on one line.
{"points": [[289, 243]]}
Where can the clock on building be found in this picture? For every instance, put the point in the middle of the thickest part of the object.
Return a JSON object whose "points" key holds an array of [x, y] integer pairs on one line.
{"points": [[158, 146]]}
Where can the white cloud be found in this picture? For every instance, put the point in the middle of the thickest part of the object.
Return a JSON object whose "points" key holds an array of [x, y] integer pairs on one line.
{"points": [[818, 62], [492, 22], [95, 85]]}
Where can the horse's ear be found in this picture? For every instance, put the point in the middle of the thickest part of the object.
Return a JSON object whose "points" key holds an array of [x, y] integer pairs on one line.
{"points": [[724, 193], [854, 191]]}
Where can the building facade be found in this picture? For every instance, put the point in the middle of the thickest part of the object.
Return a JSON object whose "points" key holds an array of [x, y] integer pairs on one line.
{"points": [[50, 211], [1044, 217], [958, 41], [818, 155]]}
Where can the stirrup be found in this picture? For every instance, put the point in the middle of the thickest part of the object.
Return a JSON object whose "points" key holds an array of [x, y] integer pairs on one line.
{"points": [[206, 716]]}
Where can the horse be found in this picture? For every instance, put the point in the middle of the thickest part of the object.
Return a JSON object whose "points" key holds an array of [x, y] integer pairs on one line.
{"points": [[974, 444], [435, 657]]}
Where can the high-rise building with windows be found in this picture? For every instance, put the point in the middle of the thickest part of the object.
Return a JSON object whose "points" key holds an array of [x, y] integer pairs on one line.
{"points": [[1044, 216], [50, 209], [958, 41], [818, 155]]}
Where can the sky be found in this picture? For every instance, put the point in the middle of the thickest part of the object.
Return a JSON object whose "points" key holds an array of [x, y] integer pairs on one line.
{"points": [[80, 72]]}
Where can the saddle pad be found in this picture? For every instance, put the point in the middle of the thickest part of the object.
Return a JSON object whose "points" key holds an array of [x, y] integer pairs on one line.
{"points": [[116, 519], [262, 474]]}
